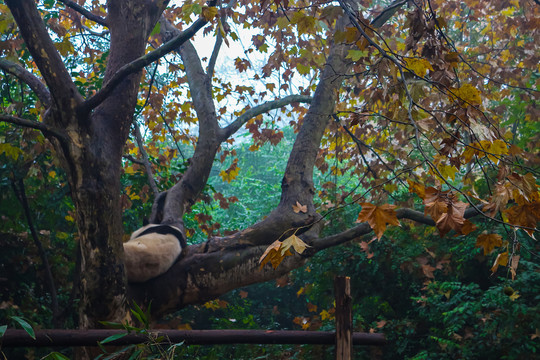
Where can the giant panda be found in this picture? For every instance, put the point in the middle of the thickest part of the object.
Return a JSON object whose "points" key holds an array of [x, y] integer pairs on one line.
{"points": [[151, 251]]}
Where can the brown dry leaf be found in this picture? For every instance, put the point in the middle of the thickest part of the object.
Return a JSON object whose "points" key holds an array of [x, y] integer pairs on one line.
{"points": [[467, 228], [299, 208], [526, 215], [378, 216], [453, 219], [365, 248], [435, 202], [272, 254], [428, 271], [502, 259], [499, 199], [243, 294], [488, 242], [513, 266]]}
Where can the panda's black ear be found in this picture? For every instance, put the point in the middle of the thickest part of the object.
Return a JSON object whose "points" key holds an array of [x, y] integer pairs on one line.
{"points": [[145, 221]]}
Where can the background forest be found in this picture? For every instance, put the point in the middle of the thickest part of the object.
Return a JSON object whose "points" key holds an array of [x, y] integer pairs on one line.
{"points": [[438, 112]]}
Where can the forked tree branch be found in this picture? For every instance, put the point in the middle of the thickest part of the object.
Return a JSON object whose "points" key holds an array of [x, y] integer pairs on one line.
{"points": [[85, 12], [28, 78], [141, 62]]}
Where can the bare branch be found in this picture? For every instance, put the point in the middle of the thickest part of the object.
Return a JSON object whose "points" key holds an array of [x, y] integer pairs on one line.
{"points": [[219, 42], [261, 109], [44, 53], [141, 62], [86, 13], [364, 228], [28, 78], [44, 128], [145, 161]]}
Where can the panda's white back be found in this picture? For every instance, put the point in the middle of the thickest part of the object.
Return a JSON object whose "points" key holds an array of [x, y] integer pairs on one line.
{"points": [[149, 255]]}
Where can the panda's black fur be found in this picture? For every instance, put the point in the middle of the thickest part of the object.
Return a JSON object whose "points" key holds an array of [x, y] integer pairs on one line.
{"points": [[164, 230], [152, 250]]}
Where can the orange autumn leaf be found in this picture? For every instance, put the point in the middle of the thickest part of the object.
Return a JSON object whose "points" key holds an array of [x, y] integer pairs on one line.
{"points": [[500, 197], [435, 203], [378, 217], [488, 242], [273, 255], [447, 211], [526, 215], [453, 219]]}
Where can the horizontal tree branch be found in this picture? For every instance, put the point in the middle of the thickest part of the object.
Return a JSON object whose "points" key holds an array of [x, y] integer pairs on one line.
{"points": [[141, 62], [28, 78], [364, 228], [85, 12], [261, 109], [45, 129], [54, 337]]}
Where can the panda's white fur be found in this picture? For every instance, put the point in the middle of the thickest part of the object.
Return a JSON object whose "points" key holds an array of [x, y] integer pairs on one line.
{"points": [[151, 251]]}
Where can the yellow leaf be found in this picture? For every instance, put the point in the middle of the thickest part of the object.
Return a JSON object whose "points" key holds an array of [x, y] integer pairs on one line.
{"points": [[10, 151], [468, 93], [417, 188], [502, 259], [294, 241], [209, 12], [447, 171], [418, 66], [378, 216], [326, 315]]}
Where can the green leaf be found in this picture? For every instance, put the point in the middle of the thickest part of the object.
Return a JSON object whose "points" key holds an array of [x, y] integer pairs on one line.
{"points": [[113, 325], [3, 329], [156, 30], [25, 325], [113, 337], [55, 356]]}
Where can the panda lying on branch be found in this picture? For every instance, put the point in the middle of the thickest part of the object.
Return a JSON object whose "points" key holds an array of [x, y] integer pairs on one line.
{"points": [[152, 250]]}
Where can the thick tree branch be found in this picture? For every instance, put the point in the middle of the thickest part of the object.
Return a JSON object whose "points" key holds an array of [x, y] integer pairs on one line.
{"points": [[186, 191], [44, 53], [86, 13], [44, 128], [261, 109], [28, 78], [141, 62]]}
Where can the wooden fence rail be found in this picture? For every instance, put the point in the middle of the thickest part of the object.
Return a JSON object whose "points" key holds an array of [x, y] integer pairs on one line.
{"points": [[53, 337]]}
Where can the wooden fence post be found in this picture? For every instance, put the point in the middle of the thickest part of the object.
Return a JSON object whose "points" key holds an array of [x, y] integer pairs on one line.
{"points": [[342, 293]]}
